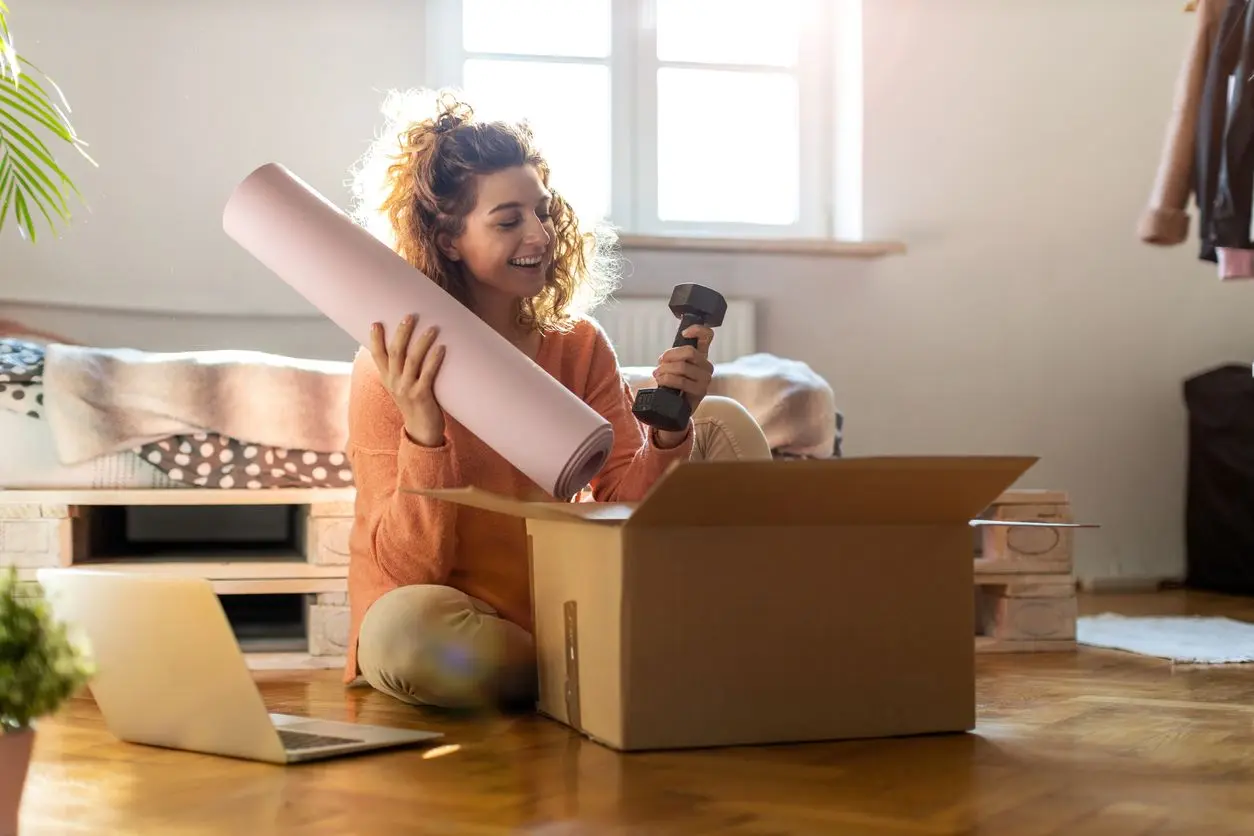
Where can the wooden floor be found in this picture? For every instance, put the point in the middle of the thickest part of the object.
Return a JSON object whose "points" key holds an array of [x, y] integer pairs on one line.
{"points": [[1087, 743]]}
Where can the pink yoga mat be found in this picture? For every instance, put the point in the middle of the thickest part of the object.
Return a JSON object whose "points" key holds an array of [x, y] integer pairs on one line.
{"points": [[486, 384]]}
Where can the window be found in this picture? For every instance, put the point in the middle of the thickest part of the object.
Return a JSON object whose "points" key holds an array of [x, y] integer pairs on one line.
{"points": [[674, 117]]}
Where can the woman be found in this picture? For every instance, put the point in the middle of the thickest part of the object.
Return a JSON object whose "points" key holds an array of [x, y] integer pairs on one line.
{"points": [[440, 595]]}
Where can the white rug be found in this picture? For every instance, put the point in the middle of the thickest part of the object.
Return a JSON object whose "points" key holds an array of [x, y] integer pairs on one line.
{"points": [[1180, 638]]}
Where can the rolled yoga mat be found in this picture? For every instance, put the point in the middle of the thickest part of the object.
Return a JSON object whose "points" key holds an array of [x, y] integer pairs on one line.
{"points": [[485, 383]]}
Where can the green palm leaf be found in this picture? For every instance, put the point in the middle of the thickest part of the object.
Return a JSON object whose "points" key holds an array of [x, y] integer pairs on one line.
{"points": [[31, 179]]}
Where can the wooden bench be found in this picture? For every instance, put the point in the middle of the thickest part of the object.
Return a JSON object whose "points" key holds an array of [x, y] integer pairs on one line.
{"points": [[303, 572]]}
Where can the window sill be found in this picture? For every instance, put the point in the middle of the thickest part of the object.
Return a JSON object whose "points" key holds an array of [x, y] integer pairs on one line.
{"points": [[780, 246]]}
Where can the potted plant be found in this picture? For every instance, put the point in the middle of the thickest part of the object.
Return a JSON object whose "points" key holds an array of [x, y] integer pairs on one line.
{"points": [[41, 666], [31, 179]]}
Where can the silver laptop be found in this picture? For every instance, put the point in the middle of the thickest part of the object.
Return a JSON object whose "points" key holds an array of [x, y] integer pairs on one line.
{"points": [[170, 672]]}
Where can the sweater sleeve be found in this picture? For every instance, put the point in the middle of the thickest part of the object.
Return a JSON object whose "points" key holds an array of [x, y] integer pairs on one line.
{"points": [[635, 461], [407, 537]]}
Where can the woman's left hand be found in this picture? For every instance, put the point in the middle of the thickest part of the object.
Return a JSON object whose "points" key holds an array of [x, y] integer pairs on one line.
{"points": [[688, 369]]}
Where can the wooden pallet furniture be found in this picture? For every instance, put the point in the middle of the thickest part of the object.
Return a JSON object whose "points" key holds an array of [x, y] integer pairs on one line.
{"points": [[287, 595], [1025, 589], [1025, 593]]}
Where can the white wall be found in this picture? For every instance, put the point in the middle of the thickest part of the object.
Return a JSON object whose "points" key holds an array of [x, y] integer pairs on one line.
{"points": [[1011, 145], [179, 102]]}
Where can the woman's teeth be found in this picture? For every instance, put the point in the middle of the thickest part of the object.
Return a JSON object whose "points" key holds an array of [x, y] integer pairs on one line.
{"points": [[525, 262]]}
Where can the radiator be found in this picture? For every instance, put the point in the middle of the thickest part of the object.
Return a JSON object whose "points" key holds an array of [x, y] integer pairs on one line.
{"points": [[641, 328]]}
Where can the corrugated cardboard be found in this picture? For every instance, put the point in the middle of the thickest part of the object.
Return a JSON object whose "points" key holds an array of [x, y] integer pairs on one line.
{"points": [[762, 602]]}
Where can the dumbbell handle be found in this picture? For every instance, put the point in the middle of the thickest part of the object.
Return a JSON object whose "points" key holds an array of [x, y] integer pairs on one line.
{"points": [[666, 407], [685, 322]]}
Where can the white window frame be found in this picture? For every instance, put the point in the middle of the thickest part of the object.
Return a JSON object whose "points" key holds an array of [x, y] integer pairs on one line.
{"points": [[829, 73]]}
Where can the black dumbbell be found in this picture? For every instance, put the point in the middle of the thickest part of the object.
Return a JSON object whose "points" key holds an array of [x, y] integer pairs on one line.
{"points": [[663, 407]]}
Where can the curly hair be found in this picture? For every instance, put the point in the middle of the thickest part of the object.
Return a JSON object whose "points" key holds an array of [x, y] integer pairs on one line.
{"points": [[417, 181]]}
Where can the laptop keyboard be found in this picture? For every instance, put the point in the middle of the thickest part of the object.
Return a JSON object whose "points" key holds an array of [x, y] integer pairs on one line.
{"points": [[294, 740]]}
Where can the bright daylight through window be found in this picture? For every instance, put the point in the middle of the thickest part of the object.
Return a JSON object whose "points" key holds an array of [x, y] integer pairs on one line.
{"points": [[668, 117]]}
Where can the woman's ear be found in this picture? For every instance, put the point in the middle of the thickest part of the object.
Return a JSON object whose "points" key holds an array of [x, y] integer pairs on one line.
{"points": [[447, 246]]}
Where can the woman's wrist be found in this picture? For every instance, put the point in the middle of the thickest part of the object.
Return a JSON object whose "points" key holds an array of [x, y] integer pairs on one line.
{"points": [[668, 439], [422, 439]]}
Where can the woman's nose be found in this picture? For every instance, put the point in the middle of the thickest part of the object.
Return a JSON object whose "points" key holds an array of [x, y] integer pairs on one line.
{"points": [[537, 232]]}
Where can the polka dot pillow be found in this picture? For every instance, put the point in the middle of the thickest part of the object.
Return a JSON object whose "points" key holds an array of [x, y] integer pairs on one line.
{"points": [[215, 461], [26, 398], [21, 361]]}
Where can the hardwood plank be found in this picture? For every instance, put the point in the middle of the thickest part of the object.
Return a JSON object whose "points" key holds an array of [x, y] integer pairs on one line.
{"points": [[1090, 742], [31, 510], [1030, 586], [1033, 496], [177, 496], [1021, 566], [253, 586], [233, 568], [992, 644], [292, 661], [280, 586]]}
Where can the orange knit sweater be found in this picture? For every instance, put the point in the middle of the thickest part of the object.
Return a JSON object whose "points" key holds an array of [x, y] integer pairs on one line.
{"points": [[401, 538]]}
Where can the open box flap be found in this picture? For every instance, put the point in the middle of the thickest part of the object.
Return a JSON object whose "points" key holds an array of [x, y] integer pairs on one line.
{"points": [[1029, 524], [887, 490], [601, 512]]}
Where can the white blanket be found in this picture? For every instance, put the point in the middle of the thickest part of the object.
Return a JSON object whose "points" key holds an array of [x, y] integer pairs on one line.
{"points": [[795, 406], [29, 461], [102, 400]]}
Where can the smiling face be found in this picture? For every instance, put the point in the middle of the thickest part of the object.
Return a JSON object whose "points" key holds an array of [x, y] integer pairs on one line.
{"points": [[507, 239], [467, 203]]}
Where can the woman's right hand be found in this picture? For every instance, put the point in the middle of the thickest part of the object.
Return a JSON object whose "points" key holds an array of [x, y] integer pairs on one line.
{"points": [[408, 372]]}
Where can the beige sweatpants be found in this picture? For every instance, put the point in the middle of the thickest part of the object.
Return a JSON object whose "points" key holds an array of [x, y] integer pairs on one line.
{"points": [[435, 645]]}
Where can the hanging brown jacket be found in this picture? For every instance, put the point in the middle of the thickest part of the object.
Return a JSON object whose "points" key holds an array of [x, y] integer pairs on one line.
{"points": [[1232, 207], [1193, 151]]}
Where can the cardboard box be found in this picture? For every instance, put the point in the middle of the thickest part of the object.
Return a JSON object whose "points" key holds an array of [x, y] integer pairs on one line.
{"points": [[762, 602]]}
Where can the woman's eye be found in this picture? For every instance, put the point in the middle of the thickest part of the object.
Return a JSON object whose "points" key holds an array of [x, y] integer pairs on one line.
{"points": [[509, 224]]}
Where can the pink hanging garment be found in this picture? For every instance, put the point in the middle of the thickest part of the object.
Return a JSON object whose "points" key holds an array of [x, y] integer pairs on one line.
{"points": [[1235, 264]]}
